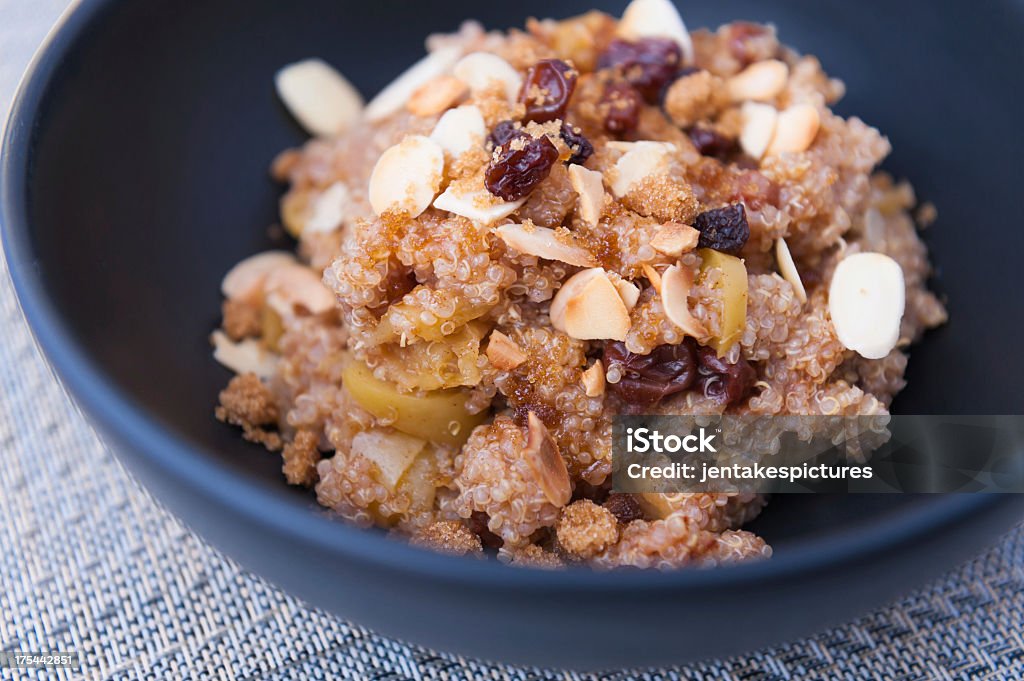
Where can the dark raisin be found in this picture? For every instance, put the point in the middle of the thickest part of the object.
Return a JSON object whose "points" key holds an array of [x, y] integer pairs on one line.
{"points": [[710, 142], [519, 166], [579, 145], [649, 65], [621, 104], [547, 89], [648, 379], [723, 382], [723, 229], [504, 132], [624, 507]]}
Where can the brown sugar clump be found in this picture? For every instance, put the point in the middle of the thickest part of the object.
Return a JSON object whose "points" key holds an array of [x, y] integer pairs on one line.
{"points": [[247, 403], [448, 536], [663, 198], [301, 456], [585, 529], [534, 556], [241, 319]]}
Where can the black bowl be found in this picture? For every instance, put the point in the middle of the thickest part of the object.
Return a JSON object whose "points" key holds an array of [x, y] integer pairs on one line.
{"points": [[134, 174]]}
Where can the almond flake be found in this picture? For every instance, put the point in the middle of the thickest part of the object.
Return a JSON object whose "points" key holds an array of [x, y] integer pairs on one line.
{"points": [[796, 129], [407, 176], [866, 301], [459, 130], [435, 96], [545, 243], [589, 184], [759, 123], [319, 97], [655, 19], [788, 269], [760, 82], [394, 96], [244, 357], [676, 283], [542, 456], [593, 379], [644, 159], [675, 238], [479, 69], [245, 280], [479, 206], [503, 353]]}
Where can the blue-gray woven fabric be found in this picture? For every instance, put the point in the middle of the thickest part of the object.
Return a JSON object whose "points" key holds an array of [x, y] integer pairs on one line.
{"points": [[89, 563]]}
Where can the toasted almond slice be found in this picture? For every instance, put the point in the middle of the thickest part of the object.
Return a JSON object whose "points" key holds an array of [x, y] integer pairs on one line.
{"points": [[653, 276], [545, 243], [392, 452], [245, 280], [542, 456], [480, 205], [595, 310], [655, 19], [479, 69], [297, 286], [759, 125], [797, 127], [675, 238], [628, 291], [435, 96], [459, 130], [644, 159], [760, 82], [788, 269], [503, 352], [593, 379], [329, 210], [319, 97], [866, 300], [244, 357], [676, 283], [407, 176], [589, 184], [394, 96]]}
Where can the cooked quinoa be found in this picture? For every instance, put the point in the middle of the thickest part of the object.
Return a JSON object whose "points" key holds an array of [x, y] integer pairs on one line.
{"points": [[534, 231]]}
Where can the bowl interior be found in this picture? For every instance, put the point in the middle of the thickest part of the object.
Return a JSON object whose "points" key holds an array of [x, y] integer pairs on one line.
{"points": [[148, 180]]}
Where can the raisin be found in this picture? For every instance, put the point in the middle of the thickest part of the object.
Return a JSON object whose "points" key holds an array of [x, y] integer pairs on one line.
{"points": [[723, 382], [723, 229], [710, 142], [649, 65], [622, 103], [579, 145], [624, 507], [648, 379], [519, 166], [546, 91], [504, 132]]}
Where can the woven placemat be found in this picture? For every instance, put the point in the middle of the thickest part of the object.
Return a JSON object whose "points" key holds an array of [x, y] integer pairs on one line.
{"points": [[90, 564]]}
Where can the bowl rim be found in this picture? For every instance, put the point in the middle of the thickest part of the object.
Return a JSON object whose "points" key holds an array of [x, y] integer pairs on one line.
{"points": [[186, 463]]}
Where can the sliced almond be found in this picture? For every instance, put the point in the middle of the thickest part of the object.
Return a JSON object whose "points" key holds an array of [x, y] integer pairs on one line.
{"points": [[407, 176], [675, 238], [319, 97], [459, 130], [394, 96], [628, 291], [593, 379], [329, 210], [644, 159], [597, 312], [655, 19], [542, 456], [546, 243], [676, 283], [759, 82], [244, 357], [759, 124], [866, 300], [480, 205], [297, 287], [503, 352], [479, 70], [392, 452], [788, 269], [796, 129], [245, 280], [435, 96], [589, 184], [653, 276]]}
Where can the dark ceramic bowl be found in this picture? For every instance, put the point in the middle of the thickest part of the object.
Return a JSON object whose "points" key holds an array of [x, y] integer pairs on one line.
{"points": [[134, 174]]}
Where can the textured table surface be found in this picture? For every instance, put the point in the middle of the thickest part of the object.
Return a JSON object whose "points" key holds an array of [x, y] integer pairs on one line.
{"points": [[89, 563]]}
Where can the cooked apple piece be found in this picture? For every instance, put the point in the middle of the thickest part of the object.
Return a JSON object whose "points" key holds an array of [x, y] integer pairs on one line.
{"points": [[733, 285], [439, 416]]}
